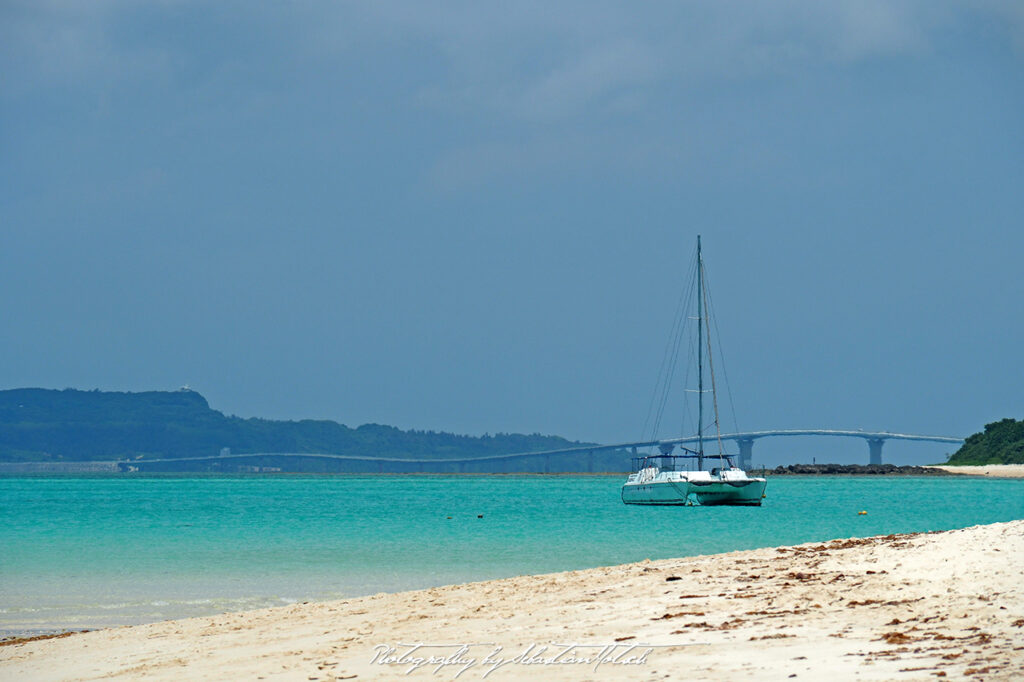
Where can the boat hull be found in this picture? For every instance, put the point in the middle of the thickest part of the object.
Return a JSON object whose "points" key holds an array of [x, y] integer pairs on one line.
{"points": [[747, 492], [656, 492]]}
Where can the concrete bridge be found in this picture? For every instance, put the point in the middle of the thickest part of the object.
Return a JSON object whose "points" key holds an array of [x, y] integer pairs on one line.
{"points": [[875, 439], [745, 441], [544, 460]]}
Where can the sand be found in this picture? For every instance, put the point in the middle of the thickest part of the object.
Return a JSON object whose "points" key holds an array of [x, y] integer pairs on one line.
{"points": [[994, 470], [899, 607]]}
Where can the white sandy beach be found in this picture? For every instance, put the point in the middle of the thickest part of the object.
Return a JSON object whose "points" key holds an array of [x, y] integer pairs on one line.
{"points": [[904, 607], [994, 470]]}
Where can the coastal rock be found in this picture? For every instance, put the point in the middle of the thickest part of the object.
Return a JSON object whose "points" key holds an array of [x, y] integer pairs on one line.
{"points": [[856, 470]]}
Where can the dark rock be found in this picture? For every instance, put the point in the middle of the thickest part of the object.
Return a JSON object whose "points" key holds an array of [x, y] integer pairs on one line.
{"points": [[855, 470]]}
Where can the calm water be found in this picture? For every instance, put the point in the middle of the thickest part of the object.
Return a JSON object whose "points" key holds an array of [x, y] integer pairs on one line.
{"points": [[87, 552]]}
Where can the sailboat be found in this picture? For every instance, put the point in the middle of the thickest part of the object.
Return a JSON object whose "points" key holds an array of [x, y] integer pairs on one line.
{"points": [[664, 478]]}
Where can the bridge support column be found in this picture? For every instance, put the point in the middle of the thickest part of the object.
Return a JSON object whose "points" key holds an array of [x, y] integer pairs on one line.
{"points": [[590, 462], [547, 464], [875, 450], [746, 452]]}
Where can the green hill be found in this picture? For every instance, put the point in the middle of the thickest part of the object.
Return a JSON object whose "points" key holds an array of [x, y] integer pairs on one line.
{"points": [[41, 425], [1001, 442]]}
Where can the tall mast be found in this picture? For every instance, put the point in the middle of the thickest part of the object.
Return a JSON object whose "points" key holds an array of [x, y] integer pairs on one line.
{"points": [[700, 359]]}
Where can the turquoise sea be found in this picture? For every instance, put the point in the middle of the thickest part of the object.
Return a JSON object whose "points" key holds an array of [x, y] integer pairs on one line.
{"points": [[84, 552]]}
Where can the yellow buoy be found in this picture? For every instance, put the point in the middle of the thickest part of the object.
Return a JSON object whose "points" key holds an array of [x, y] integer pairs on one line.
{"points": [[861, 513]]}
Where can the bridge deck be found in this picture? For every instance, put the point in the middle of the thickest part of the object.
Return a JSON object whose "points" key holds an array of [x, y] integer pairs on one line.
{"points": [[748, 436]]}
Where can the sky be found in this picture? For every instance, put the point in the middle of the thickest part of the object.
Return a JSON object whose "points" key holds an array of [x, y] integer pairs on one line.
{"points": [[478, 217]]}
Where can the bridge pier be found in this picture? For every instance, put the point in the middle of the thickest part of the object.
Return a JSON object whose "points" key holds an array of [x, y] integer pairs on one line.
{"points": [[875, 450], [746, 452], [590, 462]]}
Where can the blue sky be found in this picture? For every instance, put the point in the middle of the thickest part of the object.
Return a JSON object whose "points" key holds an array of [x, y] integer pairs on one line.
{"points": [[476, 218]]}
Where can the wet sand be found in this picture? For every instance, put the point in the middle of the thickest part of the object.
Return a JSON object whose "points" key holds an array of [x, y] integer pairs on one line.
{"points": [[898, 607]]}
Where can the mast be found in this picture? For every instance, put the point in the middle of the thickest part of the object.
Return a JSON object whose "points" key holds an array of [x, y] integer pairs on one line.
{"points": [[700, 359]]}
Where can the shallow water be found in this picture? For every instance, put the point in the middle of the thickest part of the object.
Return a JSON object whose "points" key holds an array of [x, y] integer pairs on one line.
{"points": [[99, 551]]}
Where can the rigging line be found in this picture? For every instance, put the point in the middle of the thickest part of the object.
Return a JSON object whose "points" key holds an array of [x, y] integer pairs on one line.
{"points": [[668, 369], [684, 332], [686, 382], [711, 368], [662, 370], [664, 375], [667, 384], [721, 359], [654, 394], [675, 341]]}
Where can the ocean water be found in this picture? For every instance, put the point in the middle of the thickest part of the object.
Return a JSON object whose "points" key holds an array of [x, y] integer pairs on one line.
{"points": [[101, 551]]}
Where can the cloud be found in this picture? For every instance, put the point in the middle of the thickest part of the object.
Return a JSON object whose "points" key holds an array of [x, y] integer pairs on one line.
{"points": [[521, 87], [471, 166], [531, 59], [540, 63], [874, 28], [1009, 14], [597, 74], [49, 44]]}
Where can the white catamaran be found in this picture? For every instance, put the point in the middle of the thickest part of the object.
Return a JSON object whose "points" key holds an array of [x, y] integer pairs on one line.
{"points": [[665, 478]]}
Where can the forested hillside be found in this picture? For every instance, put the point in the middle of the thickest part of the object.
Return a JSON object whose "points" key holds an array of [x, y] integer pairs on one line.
{"points": [[1001, 442], [71, 425]]}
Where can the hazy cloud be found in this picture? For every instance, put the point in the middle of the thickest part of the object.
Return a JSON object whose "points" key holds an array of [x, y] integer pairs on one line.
{"points": [[548, 60], [370, 204]]}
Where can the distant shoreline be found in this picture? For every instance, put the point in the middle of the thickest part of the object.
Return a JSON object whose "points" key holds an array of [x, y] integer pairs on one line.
{"points": [[992, 470], [795, 470], [852, 470]]}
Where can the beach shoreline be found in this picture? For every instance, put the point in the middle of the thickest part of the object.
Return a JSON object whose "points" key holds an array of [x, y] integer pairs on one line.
{"points": [[914, 606], [993, 470]]}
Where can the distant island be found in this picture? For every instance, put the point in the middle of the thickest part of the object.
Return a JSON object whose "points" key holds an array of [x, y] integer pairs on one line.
{"points": [[63, 426], [177, 431], [1001, 442]]}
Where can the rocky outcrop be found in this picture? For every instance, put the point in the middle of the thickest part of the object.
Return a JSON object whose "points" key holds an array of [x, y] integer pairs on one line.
{"points": [[856, 470]]}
